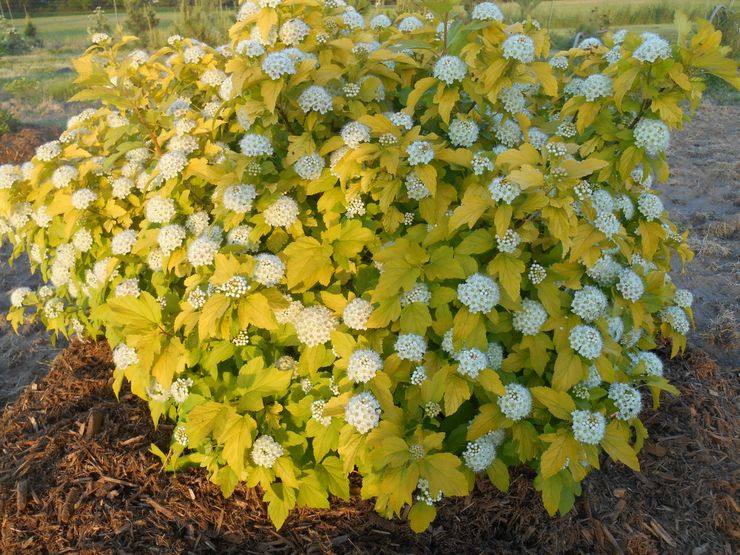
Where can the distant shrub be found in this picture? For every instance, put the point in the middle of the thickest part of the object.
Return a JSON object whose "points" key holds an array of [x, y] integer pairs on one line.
{"points": [[8, 122], [22, 87], [98, 22]]}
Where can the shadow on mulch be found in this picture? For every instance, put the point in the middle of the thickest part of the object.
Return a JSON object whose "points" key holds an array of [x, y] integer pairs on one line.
{"points": [[20, 146], [75, 476]]}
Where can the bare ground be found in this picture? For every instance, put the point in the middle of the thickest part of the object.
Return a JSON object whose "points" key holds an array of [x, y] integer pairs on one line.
{"points": [[72, 482]]}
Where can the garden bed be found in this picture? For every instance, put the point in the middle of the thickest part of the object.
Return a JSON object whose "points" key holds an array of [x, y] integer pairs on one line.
{"points": [[76, 476]]}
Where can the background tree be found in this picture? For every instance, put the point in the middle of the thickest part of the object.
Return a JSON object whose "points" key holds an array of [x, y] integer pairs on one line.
{"points": [[141, 19]]}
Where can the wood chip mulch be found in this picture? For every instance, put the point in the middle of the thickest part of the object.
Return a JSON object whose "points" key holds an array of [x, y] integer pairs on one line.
{"points": [[76, 477], [19, 146]]}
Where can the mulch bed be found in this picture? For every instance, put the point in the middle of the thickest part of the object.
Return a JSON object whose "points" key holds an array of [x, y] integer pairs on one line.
{"points": [[76, 477], [20, 146]]}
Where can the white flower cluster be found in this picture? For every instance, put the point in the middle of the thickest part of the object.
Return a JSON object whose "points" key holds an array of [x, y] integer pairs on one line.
{"points": [[471, 362], [410, 23], [282, 213], [630, 285], [277, 64], [588, 427], [653, 364], [450, 69], [266, 451], [419, 293], [479, 293], [463, 132], [683, 298], [18, 296], [516, 403], [410, 346], [519, 47], [48, 151], [530, 320], [650, 206], [62, 176], [363, 412], [170, 237], [235, 287], [128, 288], [239, 198], [310, 166], [202, 251], [124, 356], [315, 99], [479, 454], [509, 242], [181, 436], [356, 314], [171, 164], [418, 376], [589, 303], [160, 210], [123, 242], [627, 399], [269, 270], [354, 134], [293, 31], [597, 86], [536, 273], [420, 152], [314, 325], [180, 389], [676, 318], [363, 365], [424, 495], [317, 412], [252, 144], [83, 198], [487, 11], [586, 341], [652, 135], [415, 187], [652, 48]]}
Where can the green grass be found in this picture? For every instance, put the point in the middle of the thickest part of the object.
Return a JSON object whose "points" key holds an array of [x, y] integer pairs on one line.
{"points": [[65, 36], [70, 31]]}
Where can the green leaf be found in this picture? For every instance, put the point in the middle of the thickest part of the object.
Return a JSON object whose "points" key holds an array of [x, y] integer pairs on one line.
{"points": [[237, 438], [255, 310], [528, 443], [563, 447], [312, 492], [421, 516], [280, 500], [203, 419], [569, 370], [227, 479], [559, 403], [491, 382], [214, 309], [498, 473], [308, 262], [169, 362], [509, 271], [457, 391], [441, 470], [615, 443], [332, 472], [415, 318]]}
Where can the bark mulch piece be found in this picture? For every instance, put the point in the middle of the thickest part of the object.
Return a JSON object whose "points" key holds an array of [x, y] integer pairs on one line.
{"points": [[19, 146], [76, 477]]}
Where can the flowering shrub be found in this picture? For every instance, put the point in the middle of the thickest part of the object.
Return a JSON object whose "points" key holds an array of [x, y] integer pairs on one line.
{"points": [[421, 247]]}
